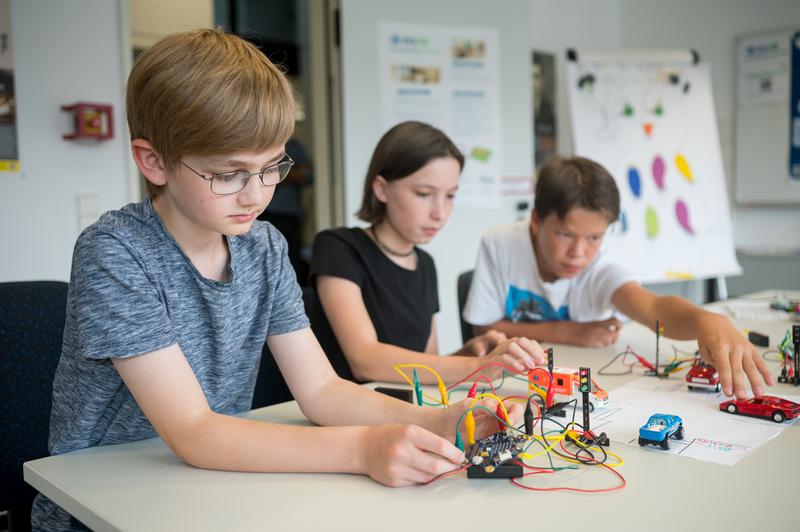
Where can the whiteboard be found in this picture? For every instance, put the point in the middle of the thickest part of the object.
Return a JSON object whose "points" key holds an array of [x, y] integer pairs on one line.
{"points": [[651, 123], [762, 120]]}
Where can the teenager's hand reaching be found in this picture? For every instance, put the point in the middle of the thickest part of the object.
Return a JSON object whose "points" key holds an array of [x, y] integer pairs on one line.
{"points": [[726, 348], [482, 344], [520, 353]]}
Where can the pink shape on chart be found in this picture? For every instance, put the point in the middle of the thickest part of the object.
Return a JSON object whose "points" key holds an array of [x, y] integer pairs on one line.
{"points": [[658, 171], [682, 213]]}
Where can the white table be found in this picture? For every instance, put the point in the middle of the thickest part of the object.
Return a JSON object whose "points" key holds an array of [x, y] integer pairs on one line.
{"points": [[143, 486]]}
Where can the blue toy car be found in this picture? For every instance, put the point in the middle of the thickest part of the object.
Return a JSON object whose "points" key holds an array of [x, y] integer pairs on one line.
{"points": [[659, 429]]}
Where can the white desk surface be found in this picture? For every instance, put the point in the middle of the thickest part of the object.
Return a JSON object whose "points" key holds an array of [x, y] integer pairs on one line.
{"points": [[143, 486]]}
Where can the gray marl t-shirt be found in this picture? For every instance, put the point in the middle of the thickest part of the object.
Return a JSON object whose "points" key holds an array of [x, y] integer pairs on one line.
{"points": [[133, 291]]}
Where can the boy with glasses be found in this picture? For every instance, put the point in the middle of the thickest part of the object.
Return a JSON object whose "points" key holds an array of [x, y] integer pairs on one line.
{"points": [[171, 299]]}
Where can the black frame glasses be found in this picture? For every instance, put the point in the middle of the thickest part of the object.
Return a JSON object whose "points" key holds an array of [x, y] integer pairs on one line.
{"points": [[228, 183]]}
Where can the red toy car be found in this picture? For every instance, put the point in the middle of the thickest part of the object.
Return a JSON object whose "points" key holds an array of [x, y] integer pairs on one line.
{"points": [[767, 406], [703, 375]]}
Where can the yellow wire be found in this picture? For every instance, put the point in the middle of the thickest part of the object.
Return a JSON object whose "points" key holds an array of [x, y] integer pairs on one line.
{"points": [[493, 396], [440, 382], [555, 439], [549, 447]]}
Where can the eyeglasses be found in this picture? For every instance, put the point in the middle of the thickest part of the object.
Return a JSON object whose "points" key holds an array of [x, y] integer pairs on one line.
{"points": [[228, 183]]}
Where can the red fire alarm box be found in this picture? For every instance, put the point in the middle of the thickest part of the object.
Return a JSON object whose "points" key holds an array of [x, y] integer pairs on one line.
{"points": [[92, 121]]}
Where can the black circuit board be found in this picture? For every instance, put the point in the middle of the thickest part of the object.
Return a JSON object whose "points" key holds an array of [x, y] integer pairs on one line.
{"points": [[497, 449]]}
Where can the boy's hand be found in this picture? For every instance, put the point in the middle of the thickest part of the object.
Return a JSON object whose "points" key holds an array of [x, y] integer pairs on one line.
{"points": [[483, 343], [401, 455], [592, 333], [734, 357], [520, 353]]}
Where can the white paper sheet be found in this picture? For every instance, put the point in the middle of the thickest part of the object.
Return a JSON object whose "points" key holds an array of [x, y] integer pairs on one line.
{"points": [[710, 435]]}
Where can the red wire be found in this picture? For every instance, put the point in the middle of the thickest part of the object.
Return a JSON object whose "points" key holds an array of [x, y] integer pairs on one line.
{"points": [[643, 361], [565, 488], [540, 470], [443, 475], [490, 364], [487, 379]]}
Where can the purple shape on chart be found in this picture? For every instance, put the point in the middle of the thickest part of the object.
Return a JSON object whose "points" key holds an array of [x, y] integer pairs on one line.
{"points": [[682, 213], [658, 171], [635, 181]]}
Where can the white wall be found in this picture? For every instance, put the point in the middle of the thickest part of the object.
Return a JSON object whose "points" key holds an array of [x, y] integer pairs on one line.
{"points": [[63, 52]]}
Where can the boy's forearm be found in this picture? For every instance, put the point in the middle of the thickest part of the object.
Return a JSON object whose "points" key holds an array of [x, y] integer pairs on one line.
{"points": [[546, 331], [679, 317], [376, 363], [341, 402], [230, 443]]}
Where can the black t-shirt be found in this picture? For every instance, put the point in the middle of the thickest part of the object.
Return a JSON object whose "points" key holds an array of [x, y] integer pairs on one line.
{"points": [[400, 302]]}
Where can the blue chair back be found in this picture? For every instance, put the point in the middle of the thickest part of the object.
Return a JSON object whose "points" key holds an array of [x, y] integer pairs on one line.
{"points": [[32, 318], [271, 387]]}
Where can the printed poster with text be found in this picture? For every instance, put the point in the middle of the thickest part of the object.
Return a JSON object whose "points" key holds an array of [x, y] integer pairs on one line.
{"points": [[9, 159], [652, 125], [448, 77]]}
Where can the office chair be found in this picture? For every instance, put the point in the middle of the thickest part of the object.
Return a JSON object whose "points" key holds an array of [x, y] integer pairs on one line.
{"points": [[462, 289], [32, 318], [271, 387]]}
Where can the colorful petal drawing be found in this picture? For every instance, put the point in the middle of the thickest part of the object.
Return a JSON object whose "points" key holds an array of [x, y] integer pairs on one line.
{"points": [[651, 222], [623, 221], [682, 213], [635, 181], [683, 167], [658, 171]]}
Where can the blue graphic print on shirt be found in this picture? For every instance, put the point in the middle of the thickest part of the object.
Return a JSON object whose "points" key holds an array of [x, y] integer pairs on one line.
{"points": [[523, 305]]}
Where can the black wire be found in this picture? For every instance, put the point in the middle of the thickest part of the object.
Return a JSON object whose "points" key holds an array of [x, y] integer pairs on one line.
{"points": [[577, 456]]}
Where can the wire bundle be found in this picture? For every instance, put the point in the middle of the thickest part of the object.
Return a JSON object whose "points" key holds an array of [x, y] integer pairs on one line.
{"points": [[569, 442]]}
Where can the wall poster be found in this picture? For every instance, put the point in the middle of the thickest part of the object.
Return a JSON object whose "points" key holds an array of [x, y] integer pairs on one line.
{"points": [[448, 77], [9, 157]]}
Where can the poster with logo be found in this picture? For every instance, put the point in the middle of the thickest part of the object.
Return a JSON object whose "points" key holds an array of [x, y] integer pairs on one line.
{"points": [[9, 158], [763, 70], [448, 77]]}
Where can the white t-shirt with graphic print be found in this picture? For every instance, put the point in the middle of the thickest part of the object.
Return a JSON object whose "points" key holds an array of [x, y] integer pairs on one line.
{"points": [[507, 285]]}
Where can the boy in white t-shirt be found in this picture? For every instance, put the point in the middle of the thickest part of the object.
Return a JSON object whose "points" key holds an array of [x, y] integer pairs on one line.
{"points": [[549, 280]]}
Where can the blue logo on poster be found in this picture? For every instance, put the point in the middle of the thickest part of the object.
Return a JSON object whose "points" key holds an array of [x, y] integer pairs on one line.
{"points": [[794, 110]]}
